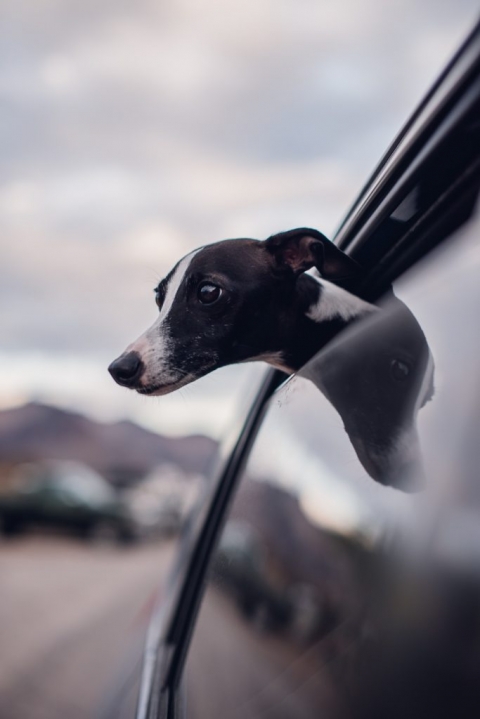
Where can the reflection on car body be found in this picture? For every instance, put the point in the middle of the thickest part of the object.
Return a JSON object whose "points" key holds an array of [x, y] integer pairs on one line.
{"points": [[369, 629], [243, 567], [377, 375]]}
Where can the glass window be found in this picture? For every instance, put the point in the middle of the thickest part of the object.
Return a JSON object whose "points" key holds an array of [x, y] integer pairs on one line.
{"points": [[345, 578]]}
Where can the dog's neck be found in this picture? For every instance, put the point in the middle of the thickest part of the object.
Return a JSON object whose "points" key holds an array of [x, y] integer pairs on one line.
{"points": [[319, 312]]}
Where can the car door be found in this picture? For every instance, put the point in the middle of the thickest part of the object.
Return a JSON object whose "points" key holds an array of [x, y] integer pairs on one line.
{"points": [[332, 593], [313, 581]]}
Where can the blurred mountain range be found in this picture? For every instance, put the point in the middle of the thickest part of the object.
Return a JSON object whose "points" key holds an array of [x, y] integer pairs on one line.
{"points": [[121, 451]]}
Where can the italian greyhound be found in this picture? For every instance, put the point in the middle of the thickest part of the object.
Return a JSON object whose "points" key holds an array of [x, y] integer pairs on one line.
{"points": [[242, 300]]}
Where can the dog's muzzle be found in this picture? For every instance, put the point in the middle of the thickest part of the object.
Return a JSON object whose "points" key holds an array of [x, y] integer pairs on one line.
{"points": [[127, 370]]}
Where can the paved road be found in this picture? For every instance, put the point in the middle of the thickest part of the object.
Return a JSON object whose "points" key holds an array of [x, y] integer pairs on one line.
{"points": [[70, 614]]}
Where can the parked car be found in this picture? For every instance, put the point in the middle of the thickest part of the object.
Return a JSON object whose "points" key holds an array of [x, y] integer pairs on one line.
{"points": [[242, 570], [65, 496], [392, 577]]}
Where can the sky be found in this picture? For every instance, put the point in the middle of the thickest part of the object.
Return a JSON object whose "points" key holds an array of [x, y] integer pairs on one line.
{"points": [[132, 133]]}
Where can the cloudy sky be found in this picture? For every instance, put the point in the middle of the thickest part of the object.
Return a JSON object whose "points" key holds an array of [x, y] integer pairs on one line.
{"points": [[133, 132]]}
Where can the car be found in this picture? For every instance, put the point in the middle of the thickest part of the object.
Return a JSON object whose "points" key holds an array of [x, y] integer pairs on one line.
{"points": [[308, 584], [65, 496], [242, 569]]}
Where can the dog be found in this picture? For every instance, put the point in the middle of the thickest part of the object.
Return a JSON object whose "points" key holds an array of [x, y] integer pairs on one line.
{"points": [[242, 300]]}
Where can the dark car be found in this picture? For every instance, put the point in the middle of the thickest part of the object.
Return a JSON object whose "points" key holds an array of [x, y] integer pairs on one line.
{"points": [[65, 496], [356, 482]]}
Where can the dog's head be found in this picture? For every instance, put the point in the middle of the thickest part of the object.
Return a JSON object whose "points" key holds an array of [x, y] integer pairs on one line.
{"points": [[229, 302]]}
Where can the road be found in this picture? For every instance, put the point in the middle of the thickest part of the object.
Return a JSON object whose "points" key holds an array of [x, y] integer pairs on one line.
{"points": [[71, 615], [72, 622]]}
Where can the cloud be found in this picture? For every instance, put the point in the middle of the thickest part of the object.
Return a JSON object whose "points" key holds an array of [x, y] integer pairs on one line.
{"points": [[133, 133]]}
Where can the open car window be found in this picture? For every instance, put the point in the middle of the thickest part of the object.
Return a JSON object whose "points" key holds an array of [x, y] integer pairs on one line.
{"points": [[346, 576]]}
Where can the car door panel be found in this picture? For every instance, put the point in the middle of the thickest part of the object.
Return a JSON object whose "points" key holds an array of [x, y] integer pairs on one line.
{"points": [[331, 594]]}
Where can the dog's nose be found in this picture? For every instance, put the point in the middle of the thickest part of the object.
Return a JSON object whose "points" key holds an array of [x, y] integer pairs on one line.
{"points": [[126, 369]]}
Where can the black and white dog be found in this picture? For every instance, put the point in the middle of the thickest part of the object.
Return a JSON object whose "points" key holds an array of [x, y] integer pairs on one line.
{"points": [[242, 300]]}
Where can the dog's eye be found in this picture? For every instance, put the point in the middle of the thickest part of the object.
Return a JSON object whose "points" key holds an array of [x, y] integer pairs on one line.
{"points": [[208, 293], [399, 370], [160, 294]]}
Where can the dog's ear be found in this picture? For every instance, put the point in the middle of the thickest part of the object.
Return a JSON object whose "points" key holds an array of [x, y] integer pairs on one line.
{"points": [[304, 248]]}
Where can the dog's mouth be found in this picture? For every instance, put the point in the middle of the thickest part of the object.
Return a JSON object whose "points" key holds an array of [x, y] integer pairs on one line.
{"points": [[157, 390]]}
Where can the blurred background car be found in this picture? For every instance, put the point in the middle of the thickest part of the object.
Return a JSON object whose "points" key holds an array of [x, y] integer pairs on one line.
{"points": [[66, 496]]}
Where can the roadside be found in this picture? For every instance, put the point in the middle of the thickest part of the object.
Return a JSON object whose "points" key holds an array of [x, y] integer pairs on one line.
{"points": [[69, 614]]}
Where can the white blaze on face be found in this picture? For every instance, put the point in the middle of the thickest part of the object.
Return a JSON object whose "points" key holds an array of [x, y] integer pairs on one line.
{"points": [[155, 345]]}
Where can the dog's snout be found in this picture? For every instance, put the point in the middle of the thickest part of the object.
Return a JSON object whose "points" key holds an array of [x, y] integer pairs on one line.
{"points": [[127, 369]]}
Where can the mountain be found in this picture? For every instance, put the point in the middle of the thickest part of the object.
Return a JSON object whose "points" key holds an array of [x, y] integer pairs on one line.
{"points": [[122, 451]]}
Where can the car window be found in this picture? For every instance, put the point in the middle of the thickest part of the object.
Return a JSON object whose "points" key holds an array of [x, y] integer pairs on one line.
{"points": [[345, 577]]}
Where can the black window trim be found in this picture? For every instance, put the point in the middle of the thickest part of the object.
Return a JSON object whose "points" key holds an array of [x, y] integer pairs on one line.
{"points": [[445, 94]]}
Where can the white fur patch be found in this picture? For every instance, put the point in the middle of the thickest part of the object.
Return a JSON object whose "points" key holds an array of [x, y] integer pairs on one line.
{"points": [[153, 346], [174, 284], [336, 302]]}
